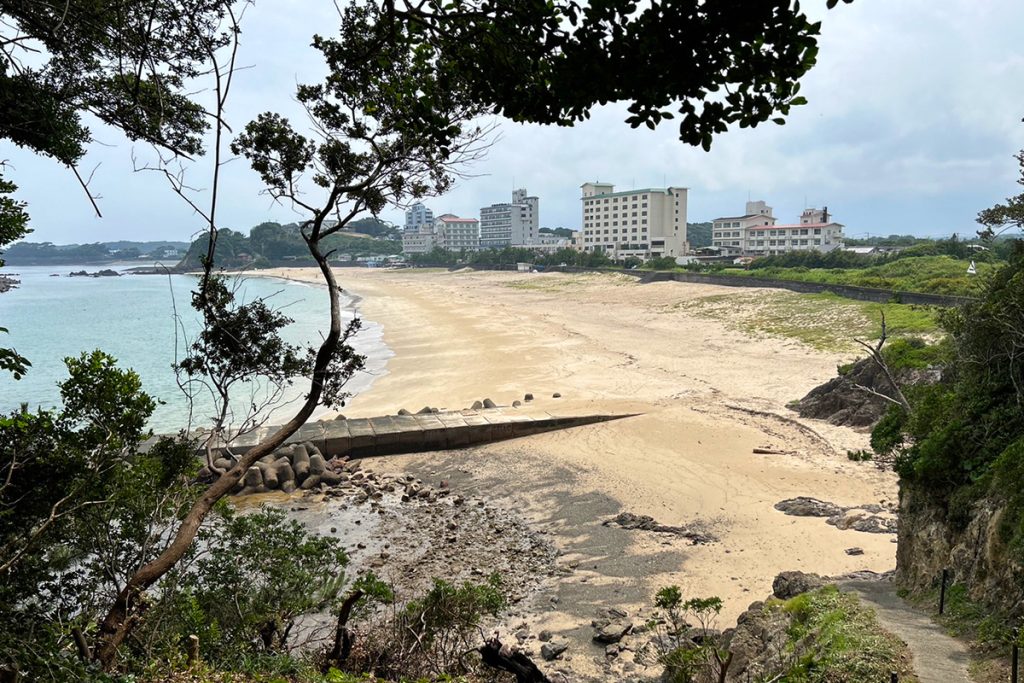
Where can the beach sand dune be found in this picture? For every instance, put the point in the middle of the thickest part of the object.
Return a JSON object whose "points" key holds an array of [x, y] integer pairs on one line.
{"points": [[706, 393]]}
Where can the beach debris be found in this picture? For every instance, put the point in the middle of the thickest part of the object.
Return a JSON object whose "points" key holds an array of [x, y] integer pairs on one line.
{"points": [[488, 403], [854, 551], [867, 518], [505, 658], [770, 451], [628, 520]]}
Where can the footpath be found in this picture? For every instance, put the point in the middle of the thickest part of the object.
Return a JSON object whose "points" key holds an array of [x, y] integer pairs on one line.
{"points": [[938, 657]]}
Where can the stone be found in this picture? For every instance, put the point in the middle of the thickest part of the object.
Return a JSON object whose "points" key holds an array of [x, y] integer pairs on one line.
{"points": [[528, 397], [477, 405], [252, 477], [612, 631], [270, 479], [206, 475], [283, 471], [854, 551], [403, 411], [425, 410], [552, 650], [288, 486], [804, 506], [488, 403], [331, 478], [516, 404], [556, 395], [545, 635], [317, 464], [789, 584], [340, 417], [310, 482], [300, 463]]}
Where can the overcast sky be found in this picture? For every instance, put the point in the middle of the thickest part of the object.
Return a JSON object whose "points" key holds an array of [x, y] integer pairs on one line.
{"points": [[914, 113]]}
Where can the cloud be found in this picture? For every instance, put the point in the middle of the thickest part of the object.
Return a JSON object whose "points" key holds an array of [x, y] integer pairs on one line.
{"points": [[914, 112]]}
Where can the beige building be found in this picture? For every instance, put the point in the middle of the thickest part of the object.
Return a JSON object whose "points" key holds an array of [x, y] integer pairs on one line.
{"points": [[457, 234], [512, 224], [647, 223], [417, 242]]}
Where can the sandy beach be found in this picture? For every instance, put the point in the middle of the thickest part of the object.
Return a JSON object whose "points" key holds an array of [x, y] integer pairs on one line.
{"points": [[706, 395]]}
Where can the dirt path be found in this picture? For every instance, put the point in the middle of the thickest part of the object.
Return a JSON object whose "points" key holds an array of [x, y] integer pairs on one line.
{"points": [[938, 657]]}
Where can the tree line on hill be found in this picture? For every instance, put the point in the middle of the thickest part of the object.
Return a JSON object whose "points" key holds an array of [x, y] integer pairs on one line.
{"points": [[272, 243], [45, 253]]}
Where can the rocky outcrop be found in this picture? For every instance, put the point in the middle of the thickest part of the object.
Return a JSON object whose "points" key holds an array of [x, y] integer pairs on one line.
{"points": [[971, 549], [870, 518], [840, 401], [7, 284], [106, 272], [627, 520]]}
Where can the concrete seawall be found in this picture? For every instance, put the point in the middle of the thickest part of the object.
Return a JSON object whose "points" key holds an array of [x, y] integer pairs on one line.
{"points": [[396, 434]]}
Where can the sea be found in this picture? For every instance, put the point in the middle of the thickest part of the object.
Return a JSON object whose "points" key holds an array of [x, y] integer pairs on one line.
{"points": [[145, 322]]}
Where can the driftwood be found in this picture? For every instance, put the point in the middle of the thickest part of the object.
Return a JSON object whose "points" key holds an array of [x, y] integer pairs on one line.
{"points": [[342, 635], [516, 663]]}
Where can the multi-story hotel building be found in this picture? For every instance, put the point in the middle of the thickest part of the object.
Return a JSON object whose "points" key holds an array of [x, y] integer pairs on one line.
{"points": [[647, 223], [512, 224], [457, 234], [419, 219], [757, 234]]}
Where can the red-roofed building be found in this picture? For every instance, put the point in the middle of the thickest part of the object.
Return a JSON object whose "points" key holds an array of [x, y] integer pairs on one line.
{"points": [[457, 234], [758, 234]]}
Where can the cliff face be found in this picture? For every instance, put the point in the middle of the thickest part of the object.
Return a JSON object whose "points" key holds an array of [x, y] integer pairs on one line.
{"points": [[975, 554]]}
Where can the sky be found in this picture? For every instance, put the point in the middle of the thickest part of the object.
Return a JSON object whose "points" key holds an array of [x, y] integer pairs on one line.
{"points": [[913, 118]]}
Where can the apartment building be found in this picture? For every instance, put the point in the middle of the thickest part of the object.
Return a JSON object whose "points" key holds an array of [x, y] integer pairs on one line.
{"points": [[510, 224], [647, 223], [457, 234], [419, 219], [417, 242], [757, 233]]}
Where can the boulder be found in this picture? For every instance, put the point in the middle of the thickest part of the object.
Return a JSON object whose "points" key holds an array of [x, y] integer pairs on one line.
{"points": [[789, 584], [477, 405], [331, 478], [556, 395], [283, 471], [425, 410], [553, 649], [804, 506], [288, 486], [340, 417], [403, 411], [488, 403], [516, 404], [528, 397], [612, 631], [252, 477], [317, 464]]}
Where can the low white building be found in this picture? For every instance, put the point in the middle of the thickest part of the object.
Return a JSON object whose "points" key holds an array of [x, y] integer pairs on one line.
{"points": [[457, 234], [417, 242], [756, 233], [647, 223]]}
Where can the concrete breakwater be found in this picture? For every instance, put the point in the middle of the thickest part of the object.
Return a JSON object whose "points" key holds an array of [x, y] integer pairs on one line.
{"points": [[318, 452]]}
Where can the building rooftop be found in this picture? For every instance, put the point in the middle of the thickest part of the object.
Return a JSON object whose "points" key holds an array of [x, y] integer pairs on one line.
{"points": [[778, 226], [650, 190], [739, 218]]}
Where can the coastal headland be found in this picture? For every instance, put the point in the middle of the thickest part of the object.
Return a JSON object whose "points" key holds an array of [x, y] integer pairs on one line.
{"points": [[708, 393]]}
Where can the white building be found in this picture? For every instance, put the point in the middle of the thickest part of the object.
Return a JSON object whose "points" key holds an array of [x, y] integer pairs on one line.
{"points": [[457, 234], [756, 233], [647, 223], [419, 219], [417, 242], [513, 224]]}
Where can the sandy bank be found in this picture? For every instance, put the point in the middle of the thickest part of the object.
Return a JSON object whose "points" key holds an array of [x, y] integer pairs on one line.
{"points": [[706, 392]]}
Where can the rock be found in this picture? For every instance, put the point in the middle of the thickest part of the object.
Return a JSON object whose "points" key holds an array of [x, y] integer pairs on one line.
{"points": [[252, 477], [488, 403], [425, 410], [340, 417], [551, 651], [789, 584], [206, 475], [270, 479], [331, 478], [223, 464], [310, 482], [854, 551], [556, 395], [804, 506], [317, 464], [516, 404], [288, 486], [860, 520], [612, 631], [628, 520], [528, 397], [477, 405], [545, 635], [403, 411]]}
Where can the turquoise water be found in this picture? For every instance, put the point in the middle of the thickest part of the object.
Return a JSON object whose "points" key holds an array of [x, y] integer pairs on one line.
{"points": [[132, 318]]}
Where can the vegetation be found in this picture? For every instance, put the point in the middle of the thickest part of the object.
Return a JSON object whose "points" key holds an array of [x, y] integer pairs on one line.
{"points": [[685, 651], [833, 638], [699, 234], [45, 253], [510, 256]]}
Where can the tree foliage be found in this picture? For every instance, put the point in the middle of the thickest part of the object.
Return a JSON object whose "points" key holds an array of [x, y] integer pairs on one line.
{"points": [[711, 64]]}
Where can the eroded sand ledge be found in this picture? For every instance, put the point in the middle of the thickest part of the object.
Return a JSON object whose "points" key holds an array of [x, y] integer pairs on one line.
{"points": [[609, 344]]}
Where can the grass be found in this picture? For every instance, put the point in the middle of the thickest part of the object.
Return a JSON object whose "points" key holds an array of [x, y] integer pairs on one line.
{"points": [[565, 282], [929, 274], [826, 322], [834, 638]]}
